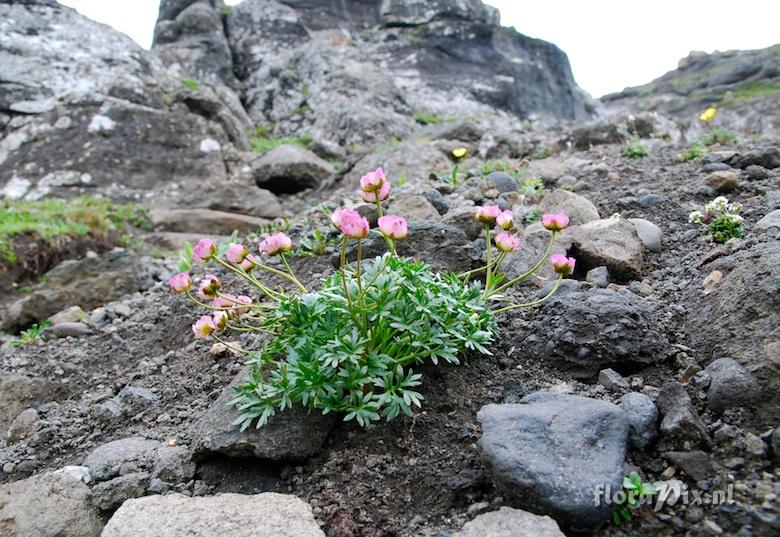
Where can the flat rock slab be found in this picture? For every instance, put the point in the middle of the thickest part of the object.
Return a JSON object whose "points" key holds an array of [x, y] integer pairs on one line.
{"points": [[610, 242], [551, 453], [204, 221], [235, 515], [293, 434], [508, 522], [53, 504], [579, 208]]}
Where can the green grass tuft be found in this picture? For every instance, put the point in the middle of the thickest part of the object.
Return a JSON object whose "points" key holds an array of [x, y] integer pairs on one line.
{"points": [[262, 141]]}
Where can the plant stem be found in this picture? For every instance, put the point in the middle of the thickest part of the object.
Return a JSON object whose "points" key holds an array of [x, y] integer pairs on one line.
{"points": [[533, 303], [344, 279], [270, 293], [230, 346], [489, 249], [538, 264], [361, 299], [292, 274]]}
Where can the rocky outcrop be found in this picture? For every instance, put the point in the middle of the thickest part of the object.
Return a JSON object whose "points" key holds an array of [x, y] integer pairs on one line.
{"points": [[355, 71]]}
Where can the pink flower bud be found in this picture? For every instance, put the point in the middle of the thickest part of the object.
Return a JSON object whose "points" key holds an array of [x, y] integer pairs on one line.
{"points": [[204, 327], [275, 244], [383, 193], [180, 282], [488, 214], [507, 242], [393, 227], [236, 253], [504, 220], [220, 319], [555, 222], [562, 264], [249, 263], [350, 223], [238, 305], [373, 181], [247, 303], [203, 251], [209, 286]]}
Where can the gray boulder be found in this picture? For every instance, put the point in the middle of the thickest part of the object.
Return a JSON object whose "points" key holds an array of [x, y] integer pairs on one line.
{"points": [[579, 208], [204, 221], [681, 423], [261, 515], [600, 133], [642, 419], [648, 233], [292, 434], [731, 386], [415, 208], [769, 221], [552, 452], [110, 494], [508, 522], [23, 425], [503, 182], [53, 504], [611, 242], [18, 393], [125, 455], [287, 169], [583, 332], [767, 157]]}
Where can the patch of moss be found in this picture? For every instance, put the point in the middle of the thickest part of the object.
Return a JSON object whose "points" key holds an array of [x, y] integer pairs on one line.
{"points": [[190, 83], [263, 140], [428, 119], [749, 92], [51, 219]]}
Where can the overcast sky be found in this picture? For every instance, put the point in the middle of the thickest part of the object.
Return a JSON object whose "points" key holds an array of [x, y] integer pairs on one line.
{"points": [[611, 44]]}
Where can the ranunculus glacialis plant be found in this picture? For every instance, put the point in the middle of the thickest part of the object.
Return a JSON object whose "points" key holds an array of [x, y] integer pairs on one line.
{"points": [[351, 346]]}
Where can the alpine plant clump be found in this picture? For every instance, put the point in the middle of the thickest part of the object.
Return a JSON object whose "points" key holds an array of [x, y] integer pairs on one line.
{"points": [[351, 346]]}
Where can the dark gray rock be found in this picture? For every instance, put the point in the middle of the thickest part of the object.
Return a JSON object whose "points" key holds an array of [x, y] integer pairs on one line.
{"points": [[23, 425], [769, 222], [715, 167], [287, 169], [731, 385], [437, 200], [462, 217], [18, 393], [598, 276], [173, 464], [503, 182], [69, 329], [552, 452], [696, 464], [651, 200], [585, 137], [86, 282], [583, 332], [681, 423], [612, 380], [293, 434], [775, 443], [53, 504], [129, 454], [444, 247], [134, 399], [109, 495], [756, 173], [766, 157], [642, 419]]}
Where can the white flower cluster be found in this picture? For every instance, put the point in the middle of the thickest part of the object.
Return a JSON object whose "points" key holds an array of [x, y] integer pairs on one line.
{"points": [[719, 207]]}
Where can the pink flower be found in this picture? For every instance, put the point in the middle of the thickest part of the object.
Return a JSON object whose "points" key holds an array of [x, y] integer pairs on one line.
{"points": [[507, 242], [555, 222], [393, 227], [275, 244], [504, 220], [562, 264], [204, 250], [350, 223], [236, 253], [204, 327], [249, 263], [383, 193], [488, 214], [220, 319], [238, 305], [242, 309], [209, 286], [180, 282], [373, 181]]}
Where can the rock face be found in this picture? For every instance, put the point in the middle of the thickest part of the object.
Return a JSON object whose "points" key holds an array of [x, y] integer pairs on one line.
{"points": [[334, 65], [508, 522], [583, 332], [17, 393], [579, 208], [611, 242], [551, 452], [747, 297], [87, 283], [291, 434], [289, 168], [261, 515], [47, 505]]}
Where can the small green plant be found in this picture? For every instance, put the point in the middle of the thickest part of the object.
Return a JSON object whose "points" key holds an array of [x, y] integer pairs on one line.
{"points": [[263, 140], [637, 493], [532, 215], [402, 179], [427, 119], [30, 335], [751, 91], [491, 166], [532, 190], [718, 136], [454, 176], [190, 83], [721, 217], [315, 244], [388, 145], [634, 149], [696, 150], [541, 154]]}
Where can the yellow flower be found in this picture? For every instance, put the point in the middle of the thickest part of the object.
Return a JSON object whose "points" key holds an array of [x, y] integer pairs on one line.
{"points": [[460, 152], [709, 114]]}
